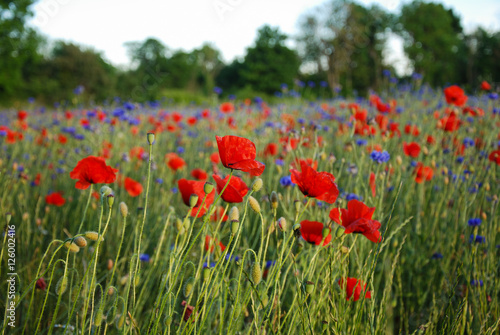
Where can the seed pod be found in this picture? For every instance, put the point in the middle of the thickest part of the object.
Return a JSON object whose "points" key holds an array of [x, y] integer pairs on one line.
{"points": [[62, 285], [254, 204], [188, 287], [326, 231], [208, 187], [309, 287], [123, 209], [257, 185], [193, 200], [151, 138], [80, 241], [340, 231], [235, 224], [71, 246], [111, 200], [256, 273], [274, 200], [234, 214]]}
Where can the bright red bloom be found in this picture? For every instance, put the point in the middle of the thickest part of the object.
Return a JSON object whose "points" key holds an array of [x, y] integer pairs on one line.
{"points": [[55, 199], [92, 170], [62, 139], [430, 139], [188, 310], [188, 187], [413, 130], [22, 115], [208, 239], [485, 86], [199, 174], [411, 149], [319, 185], [309, 161], [234, 192], [423, 173], [137, 152], [312, 232], [227, 107], [357, 219], [373, 186], [450, 123], [354, 287], [41, 284], [455, 96], [174, 161], [495, 157], [239, 153], [134, 188], [271, 149], [215, 158]]}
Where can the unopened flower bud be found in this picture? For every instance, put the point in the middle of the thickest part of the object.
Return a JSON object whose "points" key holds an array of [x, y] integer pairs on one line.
{"points": [[123, 209], [80, 241], [193, 200], [206, 273], [105, 191], [399, 160], [234, 213], [297, 204], [110, 264], [208, 187], [340, 231], [72, 246], [257, 185], [111, 200], [274, 200], [344, 249], [93, 236], [179, 226], [151, 138], [256, 273], [188, 287], [254, 204], [282, 224], [62, 285], [326, 231], [235, 224]]}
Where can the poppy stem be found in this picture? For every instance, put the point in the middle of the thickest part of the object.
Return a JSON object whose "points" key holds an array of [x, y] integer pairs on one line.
{"points": [[86, 208]]}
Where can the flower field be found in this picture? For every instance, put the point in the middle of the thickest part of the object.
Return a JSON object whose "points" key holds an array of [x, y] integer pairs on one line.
{"points": [[333, 216]]}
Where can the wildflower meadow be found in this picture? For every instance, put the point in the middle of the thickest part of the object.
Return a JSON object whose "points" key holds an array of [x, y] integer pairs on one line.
{"points": [[373, 215]]}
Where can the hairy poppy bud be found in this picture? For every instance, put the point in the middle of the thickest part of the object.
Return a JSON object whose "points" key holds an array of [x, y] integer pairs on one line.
{"points": [[254, 204], [110, 264], [256, 273], [98, 317], [208, 187], [257, 185], [274, 200], [123, 209], [399, 160], [264, 298], [80, 241], [234, 213], [297, 204], [62, 285], [235, 224], [93, 236], [151, 138], [111, 315], [120, 321], [168, 320], [282, 224], [188, 287], [206, 273], [178, 225], [344, 249], [193, 200], [309, 287], [71, 246], [105, 191]]}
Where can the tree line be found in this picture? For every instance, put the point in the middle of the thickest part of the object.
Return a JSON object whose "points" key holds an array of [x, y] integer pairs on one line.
{"points": [[340, 47]]}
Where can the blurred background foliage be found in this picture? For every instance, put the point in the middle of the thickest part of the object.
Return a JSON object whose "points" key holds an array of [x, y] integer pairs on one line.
{"points": [[340, 48]]}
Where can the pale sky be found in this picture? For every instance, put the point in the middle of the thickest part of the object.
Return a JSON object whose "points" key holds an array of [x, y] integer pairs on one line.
{"points": [[185, 24]]}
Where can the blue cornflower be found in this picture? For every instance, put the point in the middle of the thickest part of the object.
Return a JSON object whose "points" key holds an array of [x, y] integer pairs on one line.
{"points": [[174, 190], [286, 181], [79, 137], [476, 282], [144, 258], [477, 239], [474, 222], [361, 142], [159, 181], [460, 160], [119, 112], [269, 264], [217, 90], [352, 196], [279, 162], [3, 133], [468, 142], [380, 157], [180, 150], [437, 255]]}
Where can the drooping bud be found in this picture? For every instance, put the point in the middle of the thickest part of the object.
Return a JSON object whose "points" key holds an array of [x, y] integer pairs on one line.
{"points": [[274, 200], [257, 184], [123, 209], [151, 138], [110, 264], [235, 224], [105, 191], [62, 285], [188, 287], [206, 273], [93, 236], [234, 213], [178, 225], [282, 224], [254, 204], [80, 241], [193, 200], [208, 187], [256, 273], [71, 246]]}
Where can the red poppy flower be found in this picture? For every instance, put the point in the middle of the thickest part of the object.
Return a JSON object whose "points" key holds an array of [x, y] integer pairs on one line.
{"points": [[41, 284], [319, 185], [312, 232], [188, 187], [354, 287], [271, 149], [227, 107], [430, 139], [455, 96], [234, 192], [411, 149], [92, 170], [22, 115], [62, 139], [239, 153], [309, 161], [133, 187], [137, 152], [188, 310], [215, 158], [199, 174], [373, 186], [55, 199], [495, 157], [423, 173], [485, 86], [357, 219], [175, 162], [214, 243], [450, 123]]}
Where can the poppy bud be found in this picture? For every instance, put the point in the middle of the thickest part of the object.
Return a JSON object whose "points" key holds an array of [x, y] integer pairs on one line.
{"points": [[105, 191], [111, 315], [187, 224], [234, 213], [309, 287], [282, 224], [446, 180], [208, 187], [71, 246], [296, 227], [123, 209], [206, 273], [98, 317], [62, 285], [326, 232], [188, 287], [344, 250], [256, 273], [425, 151], [340, 231], [178, 225], [235, 224], [264, 298], [297, 204], [168, 320], [257, 185], [111, 200], [93, 236], [110, 264], [8, 216], [484, 216], [120, 321], [487, 186], [254, 204], [193, 200], [274, 200], [399, 160], [136, 279], [151, 138], [80, 241]]}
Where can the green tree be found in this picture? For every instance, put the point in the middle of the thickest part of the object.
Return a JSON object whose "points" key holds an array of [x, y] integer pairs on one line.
{"points": [[269, 63]]}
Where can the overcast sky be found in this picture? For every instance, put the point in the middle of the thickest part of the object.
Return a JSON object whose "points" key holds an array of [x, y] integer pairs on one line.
{"points": [[185, 24]]}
